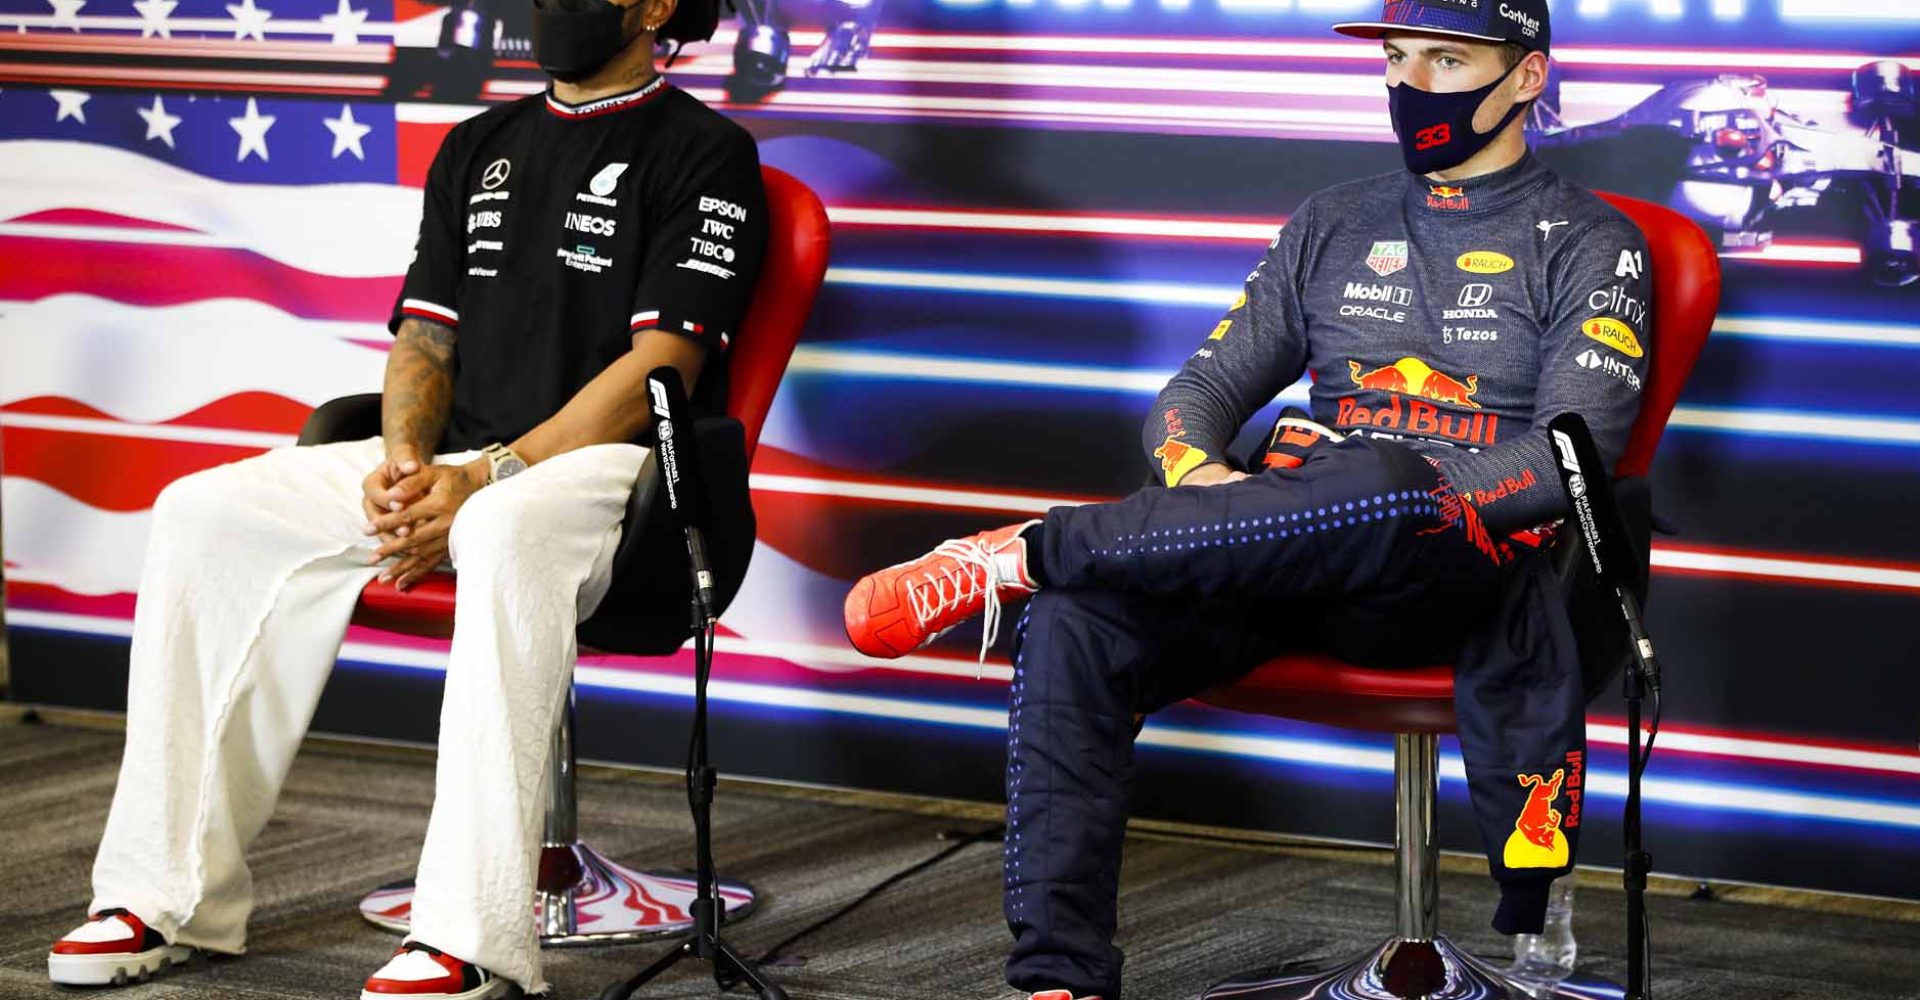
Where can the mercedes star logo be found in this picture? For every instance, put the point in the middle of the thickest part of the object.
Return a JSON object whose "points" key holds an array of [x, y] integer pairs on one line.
{"points": [[496, 174]]}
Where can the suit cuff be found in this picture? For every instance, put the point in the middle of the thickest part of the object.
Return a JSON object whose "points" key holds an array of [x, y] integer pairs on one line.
{"points": [[1523, 907]]}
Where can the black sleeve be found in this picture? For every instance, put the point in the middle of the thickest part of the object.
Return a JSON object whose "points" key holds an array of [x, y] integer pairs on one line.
{"points": [[707, 237], [1258, 349], [432, 288]]}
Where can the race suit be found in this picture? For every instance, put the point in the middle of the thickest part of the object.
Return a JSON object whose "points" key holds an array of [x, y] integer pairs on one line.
{"points": [[1443, 327]]}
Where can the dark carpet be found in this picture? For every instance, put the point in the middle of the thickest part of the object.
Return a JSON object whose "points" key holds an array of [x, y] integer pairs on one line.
{"points": [[1193, 909]]}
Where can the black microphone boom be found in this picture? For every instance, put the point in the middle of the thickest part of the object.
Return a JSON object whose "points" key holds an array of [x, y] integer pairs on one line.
{"points": [[680, 468], [1590, 492], [1591, 505]]}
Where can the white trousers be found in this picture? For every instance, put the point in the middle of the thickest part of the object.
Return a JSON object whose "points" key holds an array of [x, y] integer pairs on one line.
{"points": [[251, 574]]}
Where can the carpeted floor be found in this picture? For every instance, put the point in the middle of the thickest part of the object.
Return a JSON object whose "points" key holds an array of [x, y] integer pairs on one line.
{"points": [[1193, 910]]}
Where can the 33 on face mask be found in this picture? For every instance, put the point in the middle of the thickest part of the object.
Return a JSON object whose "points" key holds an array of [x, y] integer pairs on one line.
{"points": [[572, 39], [1436, 130]]}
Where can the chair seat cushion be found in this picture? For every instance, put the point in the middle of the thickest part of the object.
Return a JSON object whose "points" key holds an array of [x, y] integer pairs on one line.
{"points": [[425, 609], [1315, 687]]}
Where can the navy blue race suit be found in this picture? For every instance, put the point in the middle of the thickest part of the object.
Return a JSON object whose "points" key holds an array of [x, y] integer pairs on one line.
{"points": [[1443, 325]]}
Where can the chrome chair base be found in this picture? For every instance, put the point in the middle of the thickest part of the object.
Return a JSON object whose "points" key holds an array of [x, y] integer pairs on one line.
{"points": [[1408, 970], [586, 899]]}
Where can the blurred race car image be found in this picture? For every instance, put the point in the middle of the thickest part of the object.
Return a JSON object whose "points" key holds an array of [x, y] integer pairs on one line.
{"points": [[765, 44], [1751, 168]]}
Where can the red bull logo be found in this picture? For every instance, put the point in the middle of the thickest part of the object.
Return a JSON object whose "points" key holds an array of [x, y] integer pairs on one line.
{"points": [[1177, 458], [1416, 391], [1537, 841], [1415, 377], [1447, 198]]}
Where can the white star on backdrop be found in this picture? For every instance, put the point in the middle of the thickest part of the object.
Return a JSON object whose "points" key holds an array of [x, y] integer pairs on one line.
{"points": [[248, 20], [159, 123], [72, 104], [347, 133], [153, 17], [65, 13], [342, 22], [252, 127]]}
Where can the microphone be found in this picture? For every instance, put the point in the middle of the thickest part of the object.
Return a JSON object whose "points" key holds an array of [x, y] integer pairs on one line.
{"points": [[680, 469], [1589, 487]]}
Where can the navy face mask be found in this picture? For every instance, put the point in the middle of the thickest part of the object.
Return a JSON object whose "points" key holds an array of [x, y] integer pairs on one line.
{"points": [[572, 39], [1436, 130]]}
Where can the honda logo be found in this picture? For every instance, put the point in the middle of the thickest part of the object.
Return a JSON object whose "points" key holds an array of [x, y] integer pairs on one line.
{"points": [[1475, 295]]}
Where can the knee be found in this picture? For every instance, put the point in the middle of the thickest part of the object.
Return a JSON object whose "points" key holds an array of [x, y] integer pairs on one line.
{"points": [[1075, 644], [492, 524], [197, 500]]}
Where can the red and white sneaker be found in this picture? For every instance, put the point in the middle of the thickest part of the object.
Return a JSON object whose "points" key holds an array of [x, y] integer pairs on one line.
{"points": [[901, 608], [113, 948], [420, 972], [1058, 995]]}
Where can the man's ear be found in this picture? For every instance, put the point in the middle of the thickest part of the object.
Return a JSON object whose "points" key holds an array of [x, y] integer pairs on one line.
{"points": [[656, 13], [1532, 73]]}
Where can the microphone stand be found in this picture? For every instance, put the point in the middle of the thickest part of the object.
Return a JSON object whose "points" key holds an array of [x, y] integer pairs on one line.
{"points": [[703, 942], [1642, 674]]}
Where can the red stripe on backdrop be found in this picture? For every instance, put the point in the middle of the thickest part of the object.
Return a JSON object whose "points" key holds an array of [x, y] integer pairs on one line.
{"points": [[146, 275], [89, 217], [111, 473], [804, 514], [244, 411]]}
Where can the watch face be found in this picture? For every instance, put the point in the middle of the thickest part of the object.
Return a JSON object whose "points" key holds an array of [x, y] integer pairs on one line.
{"points": [[509, 466]]}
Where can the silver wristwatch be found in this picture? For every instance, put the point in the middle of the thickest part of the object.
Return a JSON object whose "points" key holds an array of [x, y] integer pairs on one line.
{"points": [[502, 462]]}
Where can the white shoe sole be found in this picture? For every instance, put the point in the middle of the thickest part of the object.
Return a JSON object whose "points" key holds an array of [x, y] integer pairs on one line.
{"points": [[495, 987], [116, 969]]}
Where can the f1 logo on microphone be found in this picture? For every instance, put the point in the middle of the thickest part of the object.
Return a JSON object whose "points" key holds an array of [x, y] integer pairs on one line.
{"points": [[659, 391], [1568, 459], [1438, 135]]}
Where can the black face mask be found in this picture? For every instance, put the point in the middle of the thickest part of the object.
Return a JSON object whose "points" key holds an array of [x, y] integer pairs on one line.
{"points": [[572, 39], [1436, 130]]}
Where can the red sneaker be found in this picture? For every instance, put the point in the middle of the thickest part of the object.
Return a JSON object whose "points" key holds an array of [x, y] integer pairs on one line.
{"points": [[113, 948], [901, 608], [418, 972], [1058, 995]]}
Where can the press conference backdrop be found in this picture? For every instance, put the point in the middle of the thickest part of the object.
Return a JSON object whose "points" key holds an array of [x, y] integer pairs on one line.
{"points": [[1040, 207]]}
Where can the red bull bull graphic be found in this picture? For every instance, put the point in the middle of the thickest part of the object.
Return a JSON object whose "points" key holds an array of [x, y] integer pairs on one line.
{"points": [[1537, 841], [1447, 198], [1177, 458], [1416, 378], [1411, 383]]}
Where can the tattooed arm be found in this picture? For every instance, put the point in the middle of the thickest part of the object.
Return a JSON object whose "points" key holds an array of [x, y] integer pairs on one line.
{"points": [[418, 397], [414, 406]]}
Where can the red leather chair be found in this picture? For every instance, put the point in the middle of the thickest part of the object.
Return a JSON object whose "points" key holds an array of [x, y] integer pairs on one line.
{"points": [[1417, 705], [583, 897]]}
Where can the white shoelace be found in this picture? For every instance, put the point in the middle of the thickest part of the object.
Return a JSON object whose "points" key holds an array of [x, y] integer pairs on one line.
{"points": [[948, 589]]}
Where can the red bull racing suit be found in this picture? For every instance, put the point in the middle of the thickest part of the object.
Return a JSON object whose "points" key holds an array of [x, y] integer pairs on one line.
{"points": [[1443, 327]]}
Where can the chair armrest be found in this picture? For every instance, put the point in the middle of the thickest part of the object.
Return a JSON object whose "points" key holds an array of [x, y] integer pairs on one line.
{"points": [[349, 418]]}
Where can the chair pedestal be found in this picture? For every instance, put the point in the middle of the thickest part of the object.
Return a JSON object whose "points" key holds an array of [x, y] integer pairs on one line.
{"points": [[1416, 963], [582, 897]]}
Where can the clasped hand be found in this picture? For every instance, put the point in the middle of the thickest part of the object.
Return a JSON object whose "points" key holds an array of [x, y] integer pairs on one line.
{"points": [[411, 506]]}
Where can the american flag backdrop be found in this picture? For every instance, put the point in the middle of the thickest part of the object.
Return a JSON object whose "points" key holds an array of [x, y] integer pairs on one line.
{"points": [[206, 207]]}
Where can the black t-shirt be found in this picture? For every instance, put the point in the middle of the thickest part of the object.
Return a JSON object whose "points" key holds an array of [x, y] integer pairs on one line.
{"points": [[553, 232]]}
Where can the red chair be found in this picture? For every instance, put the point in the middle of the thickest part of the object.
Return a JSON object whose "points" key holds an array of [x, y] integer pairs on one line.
{"points": [[583, 897], [1417, 705]]}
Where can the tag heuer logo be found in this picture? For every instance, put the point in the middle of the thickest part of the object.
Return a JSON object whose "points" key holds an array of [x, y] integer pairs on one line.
{"points": [[609, 175], [1388, 257]]}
